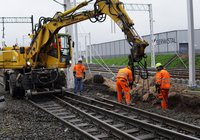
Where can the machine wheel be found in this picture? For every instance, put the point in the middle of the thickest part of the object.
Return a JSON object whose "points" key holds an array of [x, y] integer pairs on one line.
{"points": [[12, 85], [6, 83], [62, 78], [28, 94], [60, 81]]}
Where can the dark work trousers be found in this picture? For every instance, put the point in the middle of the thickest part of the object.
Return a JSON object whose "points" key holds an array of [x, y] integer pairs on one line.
{"points": [[78, 85]]}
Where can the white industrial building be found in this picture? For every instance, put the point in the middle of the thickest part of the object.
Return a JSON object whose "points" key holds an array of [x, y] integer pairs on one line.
{"points": [[165, 42]]}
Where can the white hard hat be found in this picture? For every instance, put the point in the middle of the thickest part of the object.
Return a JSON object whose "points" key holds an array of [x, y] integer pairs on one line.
{"points": [[80, 59]]}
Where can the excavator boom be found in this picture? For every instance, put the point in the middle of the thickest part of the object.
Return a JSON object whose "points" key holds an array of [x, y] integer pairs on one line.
{"points": [[113, 8]]}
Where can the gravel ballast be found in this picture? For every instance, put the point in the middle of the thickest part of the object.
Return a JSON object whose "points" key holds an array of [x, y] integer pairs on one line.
{"points": [[21, 120]]}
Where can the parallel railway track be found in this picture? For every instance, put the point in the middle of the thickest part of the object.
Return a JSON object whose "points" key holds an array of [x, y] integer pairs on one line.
{"points": [[104, 119], [175, 73]]}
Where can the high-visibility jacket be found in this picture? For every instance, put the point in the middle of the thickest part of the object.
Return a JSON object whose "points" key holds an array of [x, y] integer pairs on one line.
{"points": [[79, 70], [126, 74], [163, 79]]}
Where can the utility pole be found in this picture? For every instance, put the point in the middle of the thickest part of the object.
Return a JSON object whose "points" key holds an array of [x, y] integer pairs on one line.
{"points": [[90, 48], [76, 37], [152, 36], [86, 50], [191, 53], [69, 30]]}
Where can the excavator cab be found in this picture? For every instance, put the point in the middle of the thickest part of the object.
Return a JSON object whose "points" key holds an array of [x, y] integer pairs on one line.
{"points": [[60, 51], [65, 45]]}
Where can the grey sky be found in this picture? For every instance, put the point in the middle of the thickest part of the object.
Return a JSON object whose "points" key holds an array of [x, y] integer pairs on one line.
{"points": [[168, 15]]}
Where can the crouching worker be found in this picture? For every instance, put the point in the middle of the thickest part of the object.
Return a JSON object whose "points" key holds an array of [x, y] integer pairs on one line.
{"points": [[79, 75], [124, 81], [162, 83]]}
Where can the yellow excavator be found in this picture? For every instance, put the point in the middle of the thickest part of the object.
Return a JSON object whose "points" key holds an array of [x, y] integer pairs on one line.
{"points": [[35, 69]]}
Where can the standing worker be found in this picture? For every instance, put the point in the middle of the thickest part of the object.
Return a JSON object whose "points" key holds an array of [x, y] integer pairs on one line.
{"points": [[124, 81], [79, 75], [162, 83]]}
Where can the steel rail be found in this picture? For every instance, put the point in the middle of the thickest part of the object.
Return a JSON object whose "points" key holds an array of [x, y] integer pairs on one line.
{"points": [[58, 109], [175, 73], [179, 125], [154, 129]]}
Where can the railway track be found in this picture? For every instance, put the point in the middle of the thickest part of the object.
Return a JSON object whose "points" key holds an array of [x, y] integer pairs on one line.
{"points": [[100, 118], [104, 119], [175, 73]]}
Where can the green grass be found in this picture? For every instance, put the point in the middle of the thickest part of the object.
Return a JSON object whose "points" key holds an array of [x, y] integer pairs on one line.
{"points": [[118, 61], [162, 58]]}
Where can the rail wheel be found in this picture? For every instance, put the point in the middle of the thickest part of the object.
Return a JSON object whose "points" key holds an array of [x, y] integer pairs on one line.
{"points": [[63, 90]]}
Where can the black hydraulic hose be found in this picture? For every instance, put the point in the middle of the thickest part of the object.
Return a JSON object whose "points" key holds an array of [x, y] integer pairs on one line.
{"points": [[113, 8], [98, 16]]}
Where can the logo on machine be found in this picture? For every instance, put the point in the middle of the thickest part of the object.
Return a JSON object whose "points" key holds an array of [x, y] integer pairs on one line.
{"points": [[165, 41]]}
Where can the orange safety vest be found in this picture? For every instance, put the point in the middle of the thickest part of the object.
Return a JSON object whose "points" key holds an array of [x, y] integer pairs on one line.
{"points": [[126, 74], [163, 78], [79, 69]]}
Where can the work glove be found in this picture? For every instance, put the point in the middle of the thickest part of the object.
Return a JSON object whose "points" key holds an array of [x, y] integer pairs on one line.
{"points": [[131, 85], [113, 78], [84, 75], [157, 85]]}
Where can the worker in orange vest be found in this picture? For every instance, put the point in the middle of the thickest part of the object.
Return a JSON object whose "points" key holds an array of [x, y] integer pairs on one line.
{"points": [[124, 81], [79, 75], [162, 83]]}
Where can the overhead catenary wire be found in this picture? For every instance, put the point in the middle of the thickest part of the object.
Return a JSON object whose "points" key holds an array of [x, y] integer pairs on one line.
{"points": [[89, 70], [106, 68]]}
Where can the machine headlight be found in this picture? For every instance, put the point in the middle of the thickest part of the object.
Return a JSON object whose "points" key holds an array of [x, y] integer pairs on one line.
{"points": [[70, 61], [28, 63]]}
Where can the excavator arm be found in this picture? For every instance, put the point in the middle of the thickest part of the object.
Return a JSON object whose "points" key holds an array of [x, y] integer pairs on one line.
{"points": [[48, 27]]}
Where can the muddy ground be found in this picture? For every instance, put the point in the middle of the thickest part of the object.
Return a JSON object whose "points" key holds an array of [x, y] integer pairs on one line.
{"points": [[20, 120]]}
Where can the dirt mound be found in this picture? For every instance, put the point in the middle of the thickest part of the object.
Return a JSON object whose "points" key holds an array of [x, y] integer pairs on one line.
{"points": [[179, 98]]}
